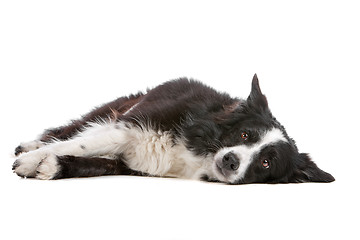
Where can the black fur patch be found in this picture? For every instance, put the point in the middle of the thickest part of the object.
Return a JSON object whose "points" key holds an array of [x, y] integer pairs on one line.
{"points": [[71, 166], [18, 150]]}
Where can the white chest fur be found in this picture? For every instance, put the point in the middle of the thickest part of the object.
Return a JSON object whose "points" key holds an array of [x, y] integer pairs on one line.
{"points": [[158, 154]]}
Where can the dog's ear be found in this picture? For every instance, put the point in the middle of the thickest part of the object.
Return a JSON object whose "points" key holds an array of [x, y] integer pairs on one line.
{"points": [[307, 171], [256, 98]]}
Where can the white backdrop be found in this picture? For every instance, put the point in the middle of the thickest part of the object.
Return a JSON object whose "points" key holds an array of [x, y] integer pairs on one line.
{"points": [[58, 59]]}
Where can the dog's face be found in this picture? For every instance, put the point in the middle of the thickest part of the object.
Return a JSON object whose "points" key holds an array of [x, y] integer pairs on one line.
{"points": [[256, 148]]}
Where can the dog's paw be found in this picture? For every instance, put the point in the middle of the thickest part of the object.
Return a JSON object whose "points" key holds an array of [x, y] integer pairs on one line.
{"points": [[28, 163], [28, 146], [48, 168]]}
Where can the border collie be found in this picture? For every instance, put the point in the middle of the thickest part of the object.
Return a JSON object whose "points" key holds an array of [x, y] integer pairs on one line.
{"points": [[179, 129]]}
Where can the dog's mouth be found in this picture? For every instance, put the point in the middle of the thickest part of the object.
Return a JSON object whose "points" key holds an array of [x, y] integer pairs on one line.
{"points": [[219, 169]]}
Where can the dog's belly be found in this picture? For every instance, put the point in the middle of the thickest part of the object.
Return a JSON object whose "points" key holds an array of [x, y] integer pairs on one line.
{"points": [[157, 153]]}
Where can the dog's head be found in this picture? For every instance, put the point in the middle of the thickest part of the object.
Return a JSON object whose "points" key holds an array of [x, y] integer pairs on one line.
{"points": [[255, 147]]}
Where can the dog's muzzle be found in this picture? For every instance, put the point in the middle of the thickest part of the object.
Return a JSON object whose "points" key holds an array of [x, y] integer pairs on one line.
{"points": [[226, 168]]}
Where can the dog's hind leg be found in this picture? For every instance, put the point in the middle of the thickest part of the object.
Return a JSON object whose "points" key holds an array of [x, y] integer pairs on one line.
{"points": [[104, 113], [28, 146], [60, 133], [71, 166]]}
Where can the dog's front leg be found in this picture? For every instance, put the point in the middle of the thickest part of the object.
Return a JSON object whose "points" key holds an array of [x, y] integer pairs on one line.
{"points": [[71, 166], [97, 140]]}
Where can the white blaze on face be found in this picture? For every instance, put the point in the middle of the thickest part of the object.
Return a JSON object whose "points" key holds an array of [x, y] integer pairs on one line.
{"points": [[246, 152]]}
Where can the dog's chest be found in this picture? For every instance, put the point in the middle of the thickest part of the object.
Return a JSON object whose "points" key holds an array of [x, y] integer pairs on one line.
{"points": [[157, 153]]}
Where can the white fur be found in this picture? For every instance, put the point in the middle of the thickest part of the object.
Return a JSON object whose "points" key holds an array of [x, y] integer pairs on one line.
{"points": [[127, 112], [28, 162], [245, 153], [144, 149], [39, 164], [156, 153], [47, 168]]}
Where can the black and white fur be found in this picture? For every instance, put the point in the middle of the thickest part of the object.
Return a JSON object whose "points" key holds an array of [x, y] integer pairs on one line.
{"points": [[179, 129]]}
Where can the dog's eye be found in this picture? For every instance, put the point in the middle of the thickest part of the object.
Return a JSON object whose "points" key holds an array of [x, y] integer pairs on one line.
{"points": [[244, 135], [266, 163]]}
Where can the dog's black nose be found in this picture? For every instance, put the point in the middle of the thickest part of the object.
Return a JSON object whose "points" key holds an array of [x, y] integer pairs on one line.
{"points": [[231, 161]]}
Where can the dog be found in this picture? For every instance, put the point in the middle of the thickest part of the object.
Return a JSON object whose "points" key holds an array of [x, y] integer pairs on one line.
{"points": [[181, 129]]}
